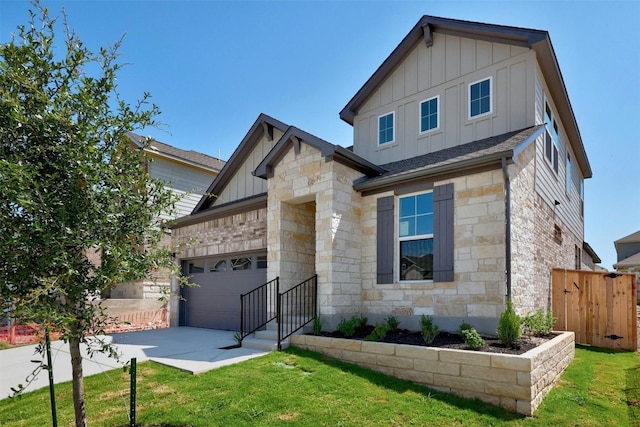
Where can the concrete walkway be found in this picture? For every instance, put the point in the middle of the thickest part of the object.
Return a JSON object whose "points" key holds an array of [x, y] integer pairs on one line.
{"points": [[193, 350]]}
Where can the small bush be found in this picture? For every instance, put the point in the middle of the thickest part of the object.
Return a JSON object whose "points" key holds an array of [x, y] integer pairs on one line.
{"points": [[393, 323], [464, 326], [509, 326], [539, 323], [429, 329], [472, 338], [379, 332], [317, 326], [349, 327]]}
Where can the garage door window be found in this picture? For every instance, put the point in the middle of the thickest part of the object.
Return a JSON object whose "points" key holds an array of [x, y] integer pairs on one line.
{"points": [[196, 267], [261, 262], [241, 264], [218, 266]]}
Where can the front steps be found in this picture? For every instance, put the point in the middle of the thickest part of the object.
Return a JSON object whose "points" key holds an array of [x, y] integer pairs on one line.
{"points": [[267, 340]]}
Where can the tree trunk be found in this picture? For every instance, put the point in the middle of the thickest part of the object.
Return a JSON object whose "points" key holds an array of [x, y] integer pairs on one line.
{"points": [[78, 382]]}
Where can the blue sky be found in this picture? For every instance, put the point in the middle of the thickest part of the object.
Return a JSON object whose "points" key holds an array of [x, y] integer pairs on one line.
{"points": [[213, 66]]}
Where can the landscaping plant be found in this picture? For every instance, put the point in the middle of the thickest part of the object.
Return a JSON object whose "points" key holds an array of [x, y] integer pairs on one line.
{"points": [[472, 338], [349, 327], [429, 329], [317, 326], [538, 324], [509, 326], [463, 327], [392, 323]]}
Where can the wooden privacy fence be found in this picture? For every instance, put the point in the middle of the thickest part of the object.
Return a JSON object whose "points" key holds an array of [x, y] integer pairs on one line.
{"points": [[600, 307]]}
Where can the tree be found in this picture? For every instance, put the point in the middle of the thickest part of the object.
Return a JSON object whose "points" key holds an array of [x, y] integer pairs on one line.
{"points": [[71, 184]]}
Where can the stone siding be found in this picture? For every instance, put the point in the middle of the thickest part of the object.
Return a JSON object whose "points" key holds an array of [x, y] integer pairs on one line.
{"points": [[477, 293], [307, 180], [246, 231], [516, 383]]}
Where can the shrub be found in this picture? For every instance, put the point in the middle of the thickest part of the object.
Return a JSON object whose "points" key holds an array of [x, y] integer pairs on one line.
{"points": [[472, 338], [379, 332], [317, 326], [349, 327], [393, 323], [509, 326], [429, 329], [464, 326], [538, 324]]}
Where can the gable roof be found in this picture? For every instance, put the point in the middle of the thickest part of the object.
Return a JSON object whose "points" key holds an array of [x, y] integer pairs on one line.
{"points": [[631, 238], [294, 136], [537, 40], [632, 261], [454, 159], [263, 125], [589, 250], [185, 156]]}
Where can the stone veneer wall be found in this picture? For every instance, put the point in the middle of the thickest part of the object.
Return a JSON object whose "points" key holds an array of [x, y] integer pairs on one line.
{"points": [[516, 383], [477, 293], [305, 177], [549, 254]]}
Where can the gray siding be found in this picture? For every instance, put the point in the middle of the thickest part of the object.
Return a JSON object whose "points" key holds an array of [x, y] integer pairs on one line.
{"points": [[189, 182], [548, 184], [445, 70], [243, 184]]}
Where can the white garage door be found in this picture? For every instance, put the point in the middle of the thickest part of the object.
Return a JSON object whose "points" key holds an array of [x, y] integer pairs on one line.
{"points": [[215, 302]]}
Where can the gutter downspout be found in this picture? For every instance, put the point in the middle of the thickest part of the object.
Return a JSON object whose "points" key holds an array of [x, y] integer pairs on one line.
{"points": [[507, 230]]}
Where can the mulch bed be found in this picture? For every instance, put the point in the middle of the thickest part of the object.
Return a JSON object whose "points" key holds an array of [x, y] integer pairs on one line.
{"points": [[445, 340]]}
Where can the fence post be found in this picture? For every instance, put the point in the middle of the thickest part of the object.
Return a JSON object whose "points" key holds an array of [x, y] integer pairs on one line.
{"points": [[132, 394]]}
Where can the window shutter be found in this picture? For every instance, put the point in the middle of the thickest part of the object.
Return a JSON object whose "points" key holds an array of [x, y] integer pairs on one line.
{"points": [[384, 253], [443, 233]]}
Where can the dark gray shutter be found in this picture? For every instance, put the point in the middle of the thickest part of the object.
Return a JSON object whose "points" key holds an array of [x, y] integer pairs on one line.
{"points": [[443, 233], [384, 253]]}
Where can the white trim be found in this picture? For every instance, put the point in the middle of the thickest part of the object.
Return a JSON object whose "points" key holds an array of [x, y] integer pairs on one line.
{"points": [[420, 131], [469, 116], [393, 138]]}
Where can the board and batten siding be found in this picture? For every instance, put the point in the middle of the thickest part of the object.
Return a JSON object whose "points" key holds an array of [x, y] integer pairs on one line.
{"points": [[548, 184], [243, 184], [446, 69], [187, 181]]}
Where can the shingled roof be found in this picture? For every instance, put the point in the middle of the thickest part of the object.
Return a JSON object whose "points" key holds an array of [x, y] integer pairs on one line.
{"points": [[455, 158], [190, 156]]}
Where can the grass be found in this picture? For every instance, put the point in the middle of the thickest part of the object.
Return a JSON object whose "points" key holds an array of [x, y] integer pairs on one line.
{"points": [[303, 388]]}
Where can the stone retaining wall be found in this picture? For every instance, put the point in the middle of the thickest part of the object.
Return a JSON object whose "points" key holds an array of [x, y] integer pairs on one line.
{"points": [[517, 383]]}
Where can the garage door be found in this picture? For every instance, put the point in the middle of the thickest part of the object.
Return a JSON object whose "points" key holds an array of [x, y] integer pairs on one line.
{"points": [[215, 302]]}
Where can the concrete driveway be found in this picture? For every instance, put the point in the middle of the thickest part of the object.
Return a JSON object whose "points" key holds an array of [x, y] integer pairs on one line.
{"points": [[193, 350]]}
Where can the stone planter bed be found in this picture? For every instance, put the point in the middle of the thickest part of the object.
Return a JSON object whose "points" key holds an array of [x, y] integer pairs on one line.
{"points": [[517, 383]]}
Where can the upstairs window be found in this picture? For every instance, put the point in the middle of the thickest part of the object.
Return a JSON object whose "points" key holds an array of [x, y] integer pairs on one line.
{"points": [[568, 173], [415, 231], [551, 140], [429, 119], [386, 129], [480, 98]]}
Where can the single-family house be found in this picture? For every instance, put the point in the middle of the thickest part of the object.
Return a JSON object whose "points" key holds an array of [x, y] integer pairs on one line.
{"points": [[186, 173], [464, 187], [628, 255]]}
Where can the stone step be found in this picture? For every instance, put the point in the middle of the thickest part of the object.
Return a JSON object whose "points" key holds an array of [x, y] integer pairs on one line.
{"points": [[263, 344]]}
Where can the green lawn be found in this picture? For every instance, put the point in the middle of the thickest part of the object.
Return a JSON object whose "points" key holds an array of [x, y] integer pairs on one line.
{"points": [[301, 388]]}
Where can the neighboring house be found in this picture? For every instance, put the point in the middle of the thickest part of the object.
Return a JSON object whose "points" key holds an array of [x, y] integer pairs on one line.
{"points": [[628, 250], [187, 173], [464, 187]]}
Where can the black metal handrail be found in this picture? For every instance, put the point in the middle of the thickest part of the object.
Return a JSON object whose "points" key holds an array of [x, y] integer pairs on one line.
{"points": [[296, 307], [254, 307]]}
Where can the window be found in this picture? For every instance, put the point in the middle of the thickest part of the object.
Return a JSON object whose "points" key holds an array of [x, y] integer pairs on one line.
{"points": [[385, 129], [480, 98], [577, 258], [241, 264], [551, 142], [261, 262], [557, 233], [429, 119], [568, 173], [415, 231], [196, 267], [218, 266], [581, 197]]}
